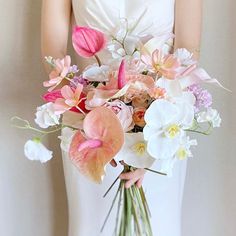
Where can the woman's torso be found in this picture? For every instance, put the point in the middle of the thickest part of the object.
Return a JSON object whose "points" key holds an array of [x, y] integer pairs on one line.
{"points": [[153, 17]]}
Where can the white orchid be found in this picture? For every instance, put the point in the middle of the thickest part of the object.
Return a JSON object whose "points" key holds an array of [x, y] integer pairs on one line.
{"points": [[210, 115], [34, 150], [134, 151], [45, 116], [96, 73], [165, 124], [184, 149]]}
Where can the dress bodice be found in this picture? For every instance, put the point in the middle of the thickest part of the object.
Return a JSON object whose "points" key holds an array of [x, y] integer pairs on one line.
{"points": [[144, 17], [155, 15]]}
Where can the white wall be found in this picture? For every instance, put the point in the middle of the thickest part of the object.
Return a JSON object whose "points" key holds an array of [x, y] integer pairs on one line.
{"points": [[210, 192], [32, 196]]}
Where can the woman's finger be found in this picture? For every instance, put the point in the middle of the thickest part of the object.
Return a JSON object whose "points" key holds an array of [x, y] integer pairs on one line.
{"points": [[129, 175], [132, 174], [130, 182], [140, 182]]}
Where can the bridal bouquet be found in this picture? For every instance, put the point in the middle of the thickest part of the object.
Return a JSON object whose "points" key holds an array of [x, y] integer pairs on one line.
{"points": [[138, 106]]}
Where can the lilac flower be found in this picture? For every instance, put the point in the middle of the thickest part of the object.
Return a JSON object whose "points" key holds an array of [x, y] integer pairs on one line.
{"points": [[203, 97], [73, 69], [78, 80]]}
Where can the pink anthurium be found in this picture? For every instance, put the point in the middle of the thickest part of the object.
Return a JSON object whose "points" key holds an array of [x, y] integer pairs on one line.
{"points": [[121, 75], [87, 42], [102, 139]]}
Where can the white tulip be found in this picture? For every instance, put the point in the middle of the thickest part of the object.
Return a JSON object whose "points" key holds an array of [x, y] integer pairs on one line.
{"points": [[34, 150], [46, 117]]}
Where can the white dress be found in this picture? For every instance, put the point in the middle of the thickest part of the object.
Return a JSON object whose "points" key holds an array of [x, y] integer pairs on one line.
{"points": [[87, 207]]}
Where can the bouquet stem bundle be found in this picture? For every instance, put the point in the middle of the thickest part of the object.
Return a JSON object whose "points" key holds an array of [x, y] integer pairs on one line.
{"points": [[133, 214]]}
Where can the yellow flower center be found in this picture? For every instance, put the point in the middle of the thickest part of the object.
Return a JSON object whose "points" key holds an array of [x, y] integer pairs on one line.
{"points": [[139, 148], [157, 67], [182, 154], [172, 131]]}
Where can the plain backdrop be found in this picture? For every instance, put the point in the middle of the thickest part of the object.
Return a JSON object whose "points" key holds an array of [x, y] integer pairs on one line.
{"points": [[32, 196]]}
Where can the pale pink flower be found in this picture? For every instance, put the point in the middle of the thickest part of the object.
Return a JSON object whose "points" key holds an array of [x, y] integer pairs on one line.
{"points": [[61, 69], [164, 65], [157, 92], [123, 112], [71, 98]]}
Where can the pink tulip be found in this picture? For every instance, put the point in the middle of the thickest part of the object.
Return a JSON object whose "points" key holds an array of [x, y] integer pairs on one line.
{"points": [[70, 98], [61, 69], [102, 139], [87, 42]]}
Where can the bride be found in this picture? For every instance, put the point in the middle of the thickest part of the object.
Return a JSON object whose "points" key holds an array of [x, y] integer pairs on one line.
{"points": [[87, 208]]}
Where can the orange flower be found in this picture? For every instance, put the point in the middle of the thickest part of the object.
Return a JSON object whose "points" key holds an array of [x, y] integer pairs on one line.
{"points": [[138, 116]]}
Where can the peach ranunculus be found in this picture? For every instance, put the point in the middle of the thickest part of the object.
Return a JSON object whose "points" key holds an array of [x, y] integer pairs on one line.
{"points": [[157, 92], [70, 98], [164, 65], [138, 116], [61, 69], [123, 112]]}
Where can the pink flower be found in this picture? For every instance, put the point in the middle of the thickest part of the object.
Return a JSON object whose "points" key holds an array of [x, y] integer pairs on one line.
{"points": [[123, 112], [70, 98], [52, 96], [101, 140], [87, 42], [61, 69], [165, 65], [138, 116], [157, 92]]}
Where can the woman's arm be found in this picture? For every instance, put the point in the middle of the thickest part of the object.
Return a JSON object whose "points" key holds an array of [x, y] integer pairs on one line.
{"points": [[55, 25], [188, 25]]}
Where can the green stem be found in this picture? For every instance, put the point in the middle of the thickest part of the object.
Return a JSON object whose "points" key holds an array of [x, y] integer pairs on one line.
{"points": [[109, 212], [119, 207], [154, 171], [135, 213], [112, 185], [98, 60]]}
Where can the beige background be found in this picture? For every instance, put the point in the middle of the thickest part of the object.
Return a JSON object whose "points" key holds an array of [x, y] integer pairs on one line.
{"points": [[32, 196]]}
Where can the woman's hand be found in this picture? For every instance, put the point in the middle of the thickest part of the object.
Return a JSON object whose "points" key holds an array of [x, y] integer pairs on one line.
{"points": [[131, 177]]}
